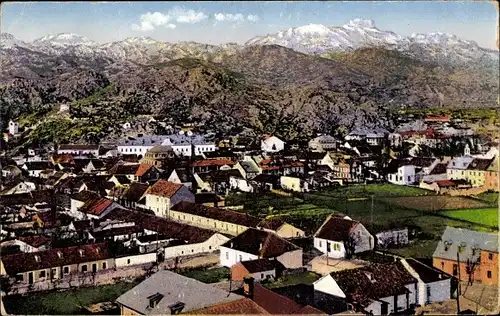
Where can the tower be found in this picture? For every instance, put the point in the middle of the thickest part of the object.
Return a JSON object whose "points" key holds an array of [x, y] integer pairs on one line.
{"points": [[13, 127]]}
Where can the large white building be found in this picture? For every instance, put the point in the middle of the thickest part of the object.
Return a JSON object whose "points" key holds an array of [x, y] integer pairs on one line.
{"points": [[272, 144], [182, 144]]}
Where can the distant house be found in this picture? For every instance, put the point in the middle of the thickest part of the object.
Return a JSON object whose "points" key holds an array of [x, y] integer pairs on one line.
{"points": [[159, 295], [476, 171], [209, 199], [211, 165], [79, 150], [295, 184], [136, 172], [323, 143], [248, 168], [377, 289], [339, 237], [438, 172], [457, 167], [281, 228], [131, 195], [476, 253], [34, 168], [180, 176], [29, 243], [95, 166], [445, 186], [222, 220], [259, 269], [30, 268], [491, 179], [162, 195], [392, 237], [158, 156], [257, 244], [271, 144], [409, 171], [433, 284], [266, 182], [87, 204]]}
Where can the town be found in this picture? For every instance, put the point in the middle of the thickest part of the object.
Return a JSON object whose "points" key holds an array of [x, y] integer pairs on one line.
{"points": [[378, 222]]}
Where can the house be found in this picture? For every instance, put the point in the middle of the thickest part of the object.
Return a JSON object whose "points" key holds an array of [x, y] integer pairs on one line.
{"points": [[323, 143], [377, 289], [10, 171], [457, 167], [241, 184], [21, 186], [95, 166], [88, 204], [131, 195], [136, 172], [159, 295], [158, 156], [206, 165], [180, 176], [34, 168], [256, 244], [438, 172], [433, 285], [248, 168], [340, 169], [342, 237], [29, 268], [161, 196], [392, 237], [182, 145], [476, 171], [281, 228], [266, 182], [409, 171], [259, 269], [79, 150], [29, 243], [491, 179], [271, 144], [209, 199], [293, 184], [224, 221], [445, 186], [468, 255], [182, 239]]}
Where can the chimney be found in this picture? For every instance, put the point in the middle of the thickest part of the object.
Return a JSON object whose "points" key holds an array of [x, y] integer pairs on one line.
{"points": [[248, 286]]}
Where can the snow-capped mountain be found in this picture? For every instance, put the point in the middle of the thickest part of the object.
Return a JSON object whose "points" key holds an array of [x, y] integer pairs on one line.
{"points": [[357, 33], [9, 41], [309, 39]]}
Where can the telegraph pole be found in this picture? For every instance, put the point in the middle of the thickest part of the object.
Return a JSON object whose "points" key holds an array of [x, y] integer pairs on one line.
{"points": [[458, 283]]}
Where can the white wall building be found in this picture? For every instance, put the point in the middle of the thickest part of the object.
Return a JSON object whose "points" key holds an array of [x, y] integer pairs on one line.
{"points": [[406, 175], [210, 245], [272, 144]]}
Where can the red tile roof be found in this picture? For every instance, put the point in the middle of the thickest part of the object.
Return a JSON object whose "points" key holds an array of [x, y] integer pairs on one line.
{"points": [[212, 162], [336, 229], [143, 168], [446, 183], [35, 241], [244, 306], [164, 188], [95, 206], [24, 262], [277, 304]]}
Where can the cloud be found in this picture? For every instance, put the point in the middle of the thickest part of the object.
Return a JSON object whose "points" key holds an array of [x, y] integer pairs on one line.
{"points": [[238, 17], [149, 21]]}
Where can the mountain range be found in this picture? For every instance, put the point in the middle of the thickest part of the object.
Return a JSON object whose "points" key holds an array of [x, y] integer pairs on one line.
{"points": [[302, 80]]}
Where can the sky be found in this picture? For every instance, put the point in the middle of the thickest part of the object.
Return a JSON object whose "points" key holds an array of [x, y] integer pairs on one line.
{"points": [[236, 22]]}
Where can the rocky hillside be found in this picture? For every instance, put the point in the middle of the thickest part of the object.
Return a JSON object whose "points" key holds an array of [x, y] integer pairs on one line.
{"points": [[264, 88]]}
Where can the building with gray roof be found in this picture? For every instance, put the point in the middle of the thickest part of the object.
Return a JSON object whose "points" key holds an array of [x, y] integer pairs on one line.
{"points": [[168, 293], [467, 243]]}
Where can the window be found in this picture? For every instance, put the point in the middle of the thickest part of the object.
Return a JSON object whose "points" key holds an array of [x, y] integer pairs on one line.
{"points": [[455, 270], [490, 256], [320, 243], [42, 274], [442, 265], [328, 247], [489, 274], [66, 270], [20, 277], [240, 257], [227, 255], [209, 247], [428, 292], [84, 268], [103, 265], [262, 275]]}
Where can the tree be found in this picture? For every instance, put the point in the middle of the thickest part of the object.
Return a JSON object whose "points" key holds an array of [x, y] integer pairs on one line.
{"points": [[470, 268], [350, 243]]}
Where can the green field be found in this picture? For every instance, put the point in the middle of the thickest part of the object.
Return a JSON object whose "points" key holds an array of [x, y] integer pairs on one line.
{"points": [[486, 216], [302, 278], [393, 206], [64, 303], [213, 275]]}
